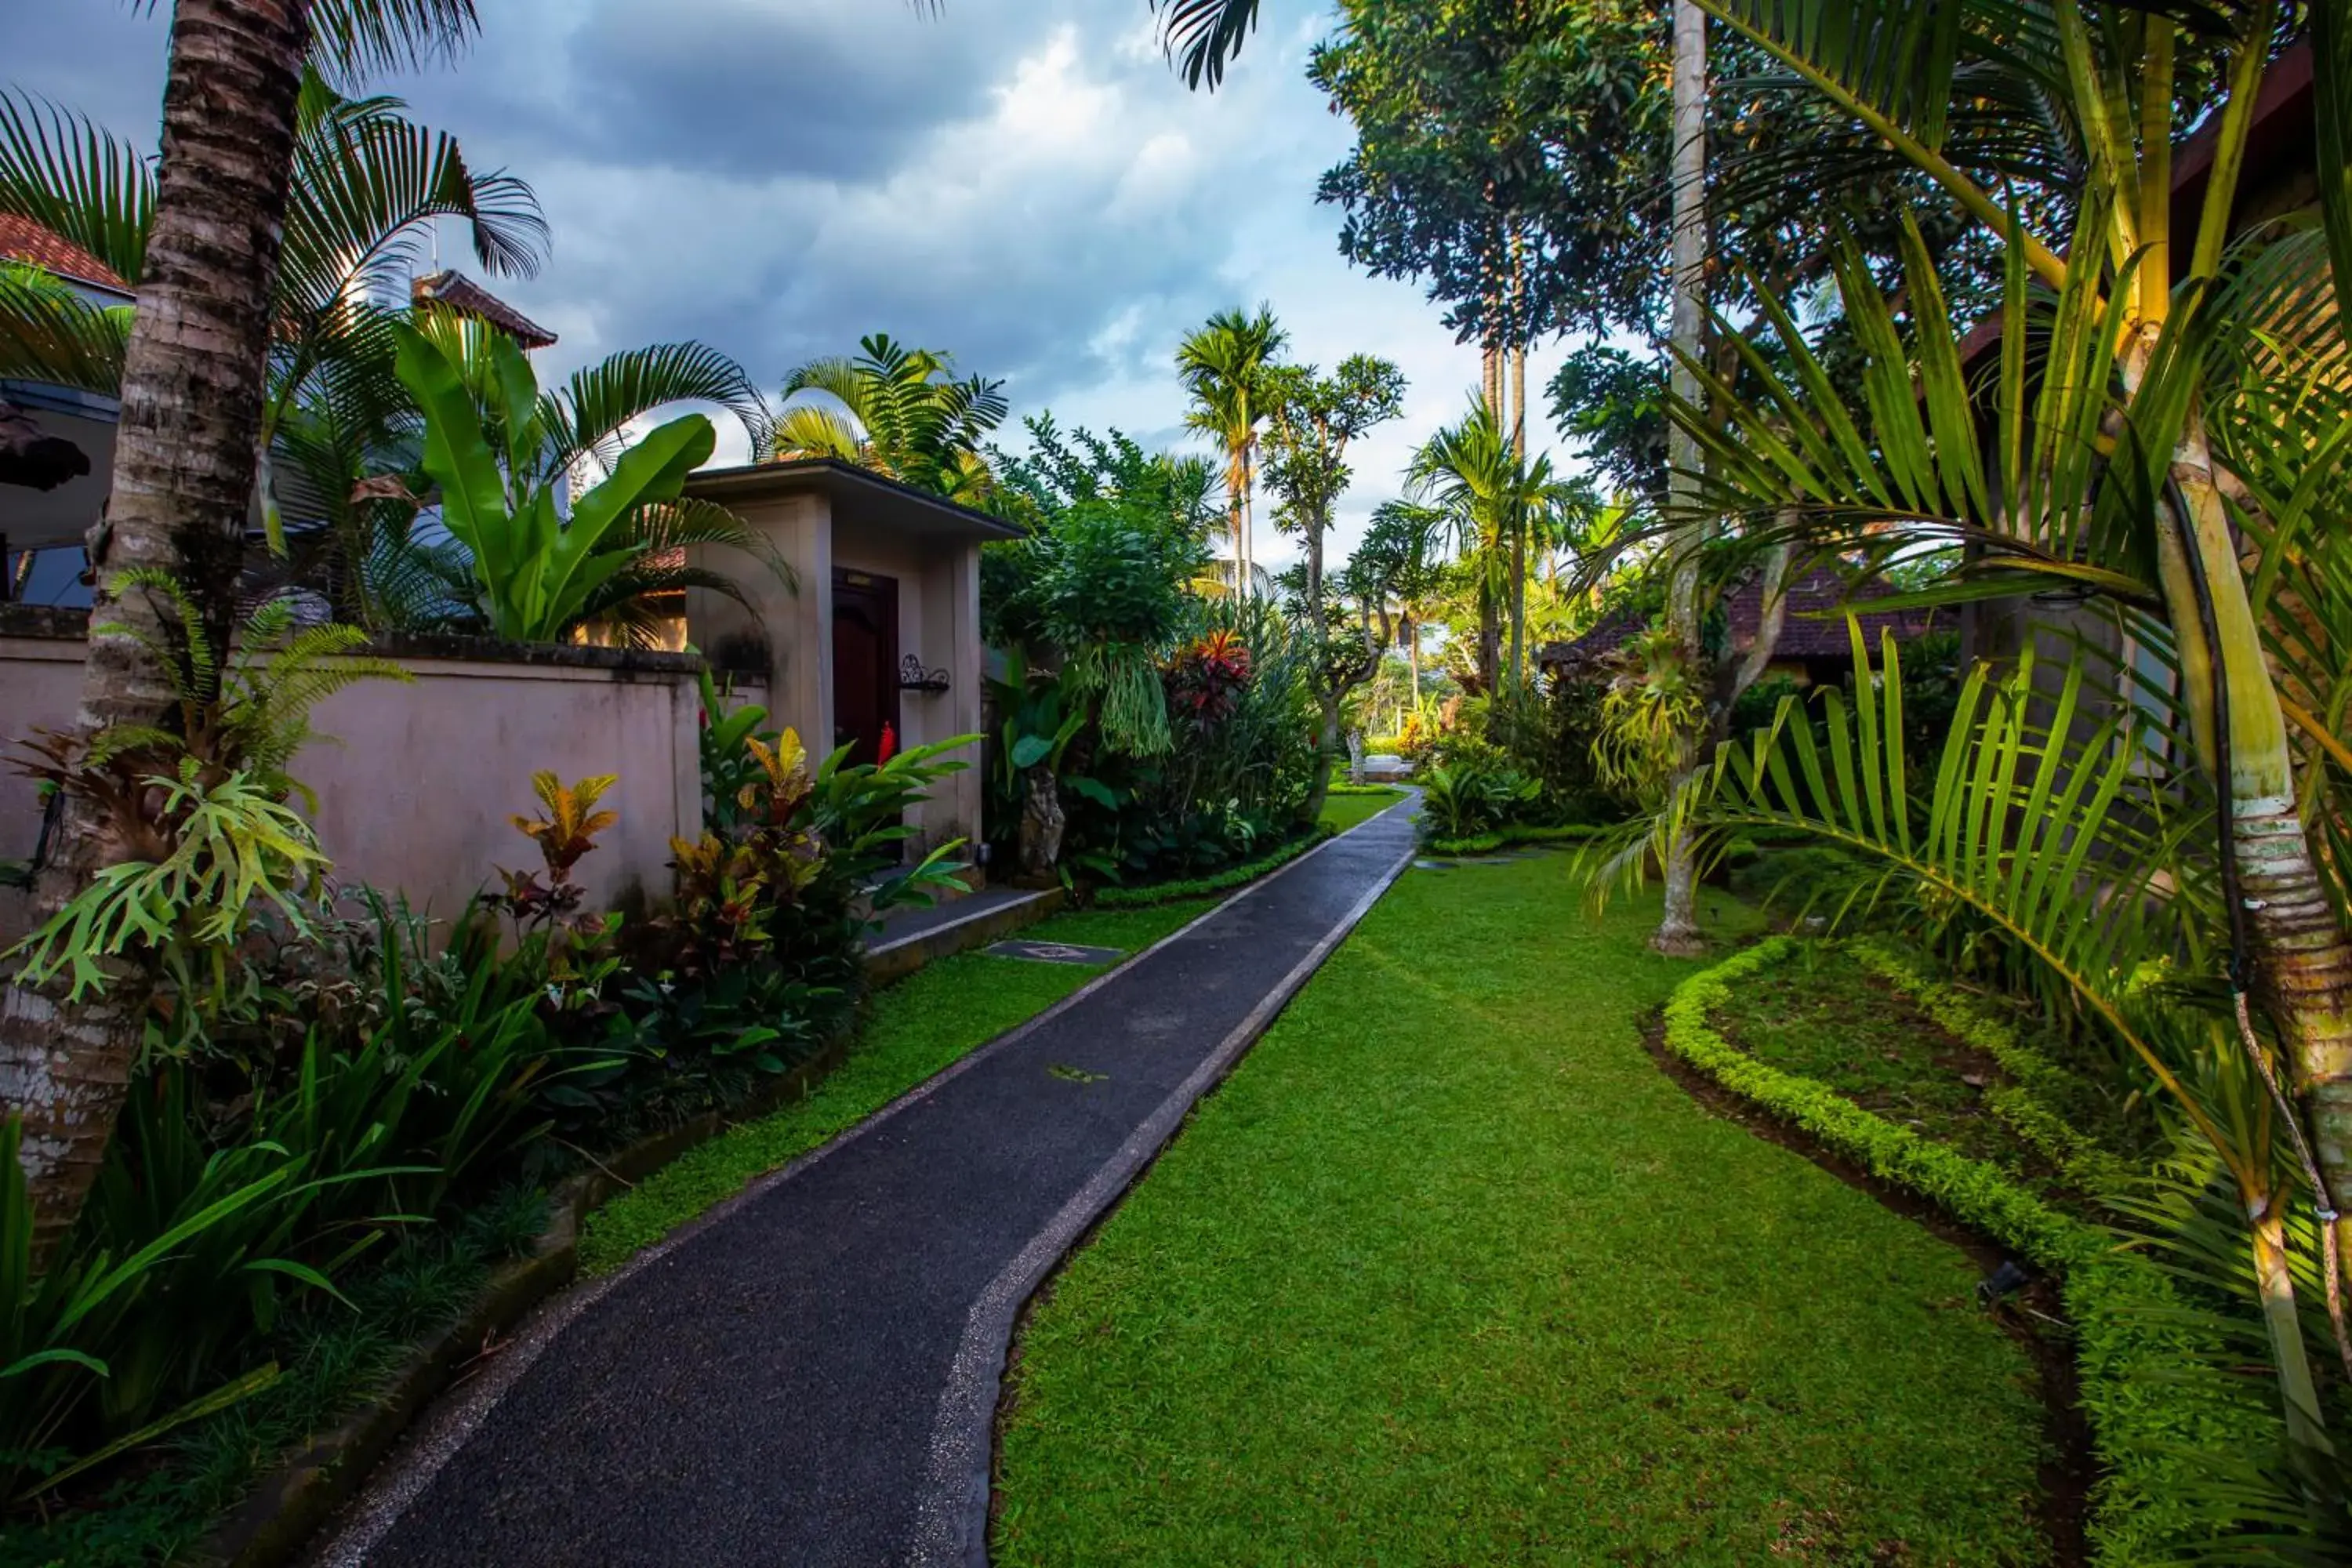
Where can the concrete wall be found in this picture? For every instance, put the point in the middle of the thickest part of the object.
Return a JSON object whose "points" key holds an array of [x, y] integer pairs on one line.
{"points": [[939, 622], [417, 788]]}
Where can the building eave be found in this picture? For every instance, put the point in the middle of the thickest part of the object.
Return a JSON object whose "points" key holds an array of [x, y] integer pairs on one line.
{"points": [[874, 495]]}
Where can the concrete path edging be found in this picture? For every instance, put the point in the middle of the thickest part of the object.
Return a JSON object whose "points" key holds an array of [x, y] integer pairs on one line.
{"points": [[951, 1527], [552, 1498]]}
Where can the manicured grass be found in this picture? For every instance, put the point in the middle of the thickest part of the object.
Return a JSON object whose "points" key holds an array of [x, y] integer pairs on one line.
{"points": [[912, 1030], [1449, 1272], [1824, 1015], [1342, 812]]}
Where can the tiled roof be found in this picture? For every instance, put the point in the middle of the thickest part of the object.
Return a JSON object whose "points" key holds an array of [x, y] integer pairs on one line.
{"points": [[1812, 628], [468, 298], [21, 239]]}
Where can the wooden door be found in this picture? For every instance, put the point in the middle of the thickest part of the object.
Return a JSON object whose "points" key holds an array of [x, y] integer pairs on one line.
{"points": [[865, 660]]}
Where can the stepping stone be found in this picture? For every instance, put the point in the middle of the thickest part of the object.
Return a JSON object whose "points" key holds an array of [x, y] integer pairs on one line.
{"points": [[1055, 953]]}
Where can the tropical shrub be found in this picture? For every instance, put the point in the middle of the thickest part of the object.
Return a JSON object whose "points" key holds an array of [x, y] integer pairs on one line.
{"points": [[540, 573], [1473, 796]]}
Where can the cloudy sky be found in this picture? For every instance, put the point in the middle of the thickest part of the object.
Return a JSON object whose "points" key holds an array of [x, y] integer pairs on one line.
{"points": [[1022, 182]]}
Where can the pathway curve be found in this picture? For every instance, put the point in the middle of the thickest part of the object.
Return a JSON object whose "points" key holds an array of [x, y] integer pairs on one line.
{"points": [[807, 1375]]}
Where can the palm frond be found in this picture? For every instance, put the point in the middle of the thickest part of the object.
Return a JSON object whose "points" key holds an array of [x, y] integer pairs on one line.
{"points": [[50, 333], [78, 180], [805, 430], [1202, 36], [2038, 821], [366, 181], [590, 412]]}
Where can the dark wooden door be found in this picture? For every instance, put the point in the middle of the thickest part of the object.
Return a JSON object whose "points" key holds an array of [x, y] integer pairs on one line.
{"points": [[865, 660]]}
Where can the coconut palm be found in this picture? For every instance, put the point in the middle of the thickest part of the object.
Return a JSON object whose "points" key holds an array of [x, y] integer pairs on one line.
{"points": [[1499, 503], [367, 184], [193, 393], [894, 410], [1225, 365]]}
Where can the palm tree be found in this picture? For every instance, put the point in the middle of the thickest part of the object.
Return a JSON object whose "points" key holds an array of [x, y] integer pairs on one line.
{"points": [[894, 410], [1678, 932], [2176, 405], [1499, 502], [194, 386], [1224, 365], [366, 184]]}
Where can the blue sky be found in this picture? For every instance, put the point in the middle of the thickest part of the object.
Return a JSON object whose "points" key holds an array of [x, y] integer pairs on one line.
{"points": [[1022, 182]]}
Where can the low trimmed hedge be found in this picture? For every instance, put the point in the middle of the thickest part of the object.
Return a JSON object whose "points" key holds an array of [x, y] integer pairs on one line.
{"points": [[2154, 1381], [1341, 787], [1504, 837], [1232, 877]]}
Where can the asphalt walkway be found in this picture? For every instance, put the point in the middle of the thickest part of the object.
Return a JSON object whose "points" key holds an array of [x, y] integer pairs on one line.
{"points": [[807, 1376]]}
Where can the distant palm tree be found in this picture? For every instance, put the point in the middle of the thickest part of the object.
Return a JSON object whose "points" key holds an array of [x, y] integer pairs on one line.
{"points": [[894, 410], [185, 462], [1224, 365], [1499, 503]]}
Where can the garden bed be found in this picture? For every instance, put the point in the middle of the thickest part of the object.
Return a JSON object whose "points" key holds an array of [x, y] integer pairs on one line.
{"points": [[2001, 1157], [1510, 838], [1357, 804], [283, 1460]]}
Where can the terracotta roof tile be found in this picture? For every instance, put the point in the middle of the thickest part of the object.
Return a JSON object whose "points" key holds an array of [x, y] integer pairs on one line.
{"points": [[21, 239]]}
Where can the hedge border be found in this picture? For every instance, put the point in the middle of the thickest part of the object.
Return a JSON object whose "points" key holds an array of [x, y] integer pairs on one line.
{"points": [[1506, 838], [1225, 881], [2150, 1378]]}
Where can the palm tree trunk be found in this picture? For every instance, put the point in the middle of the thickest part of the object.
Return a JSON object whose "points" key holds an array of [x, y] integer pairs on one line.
{"points": [[1519, 603], [2304, 961], [1413, 660], [1490, 634], [185, 465], [1678, 932]]}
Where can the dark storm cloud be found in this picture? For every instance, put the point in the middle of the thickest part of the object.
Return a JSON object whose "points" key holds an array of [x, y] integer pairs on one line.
{"points": [[1019, 182], [805, 89]]}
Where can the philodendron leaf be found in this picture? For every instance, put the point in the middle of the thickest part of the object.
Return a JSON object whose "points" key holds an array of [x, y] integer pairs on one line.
{"points": [[1031, 750]]}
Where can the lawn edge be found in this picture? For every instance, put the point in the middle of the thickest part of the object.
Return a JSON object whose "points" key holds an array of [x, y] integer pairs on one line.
{"points": [[381, 1490], [953, 1528], [2151, 1425]]}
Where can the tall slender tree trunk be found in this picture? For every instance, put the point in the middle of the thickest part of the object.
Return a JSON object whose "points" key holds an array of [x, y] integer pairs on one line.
{"points": [[185, 465], [1413, 660], [1490, 633], [1518, 395], [1678, 932]]}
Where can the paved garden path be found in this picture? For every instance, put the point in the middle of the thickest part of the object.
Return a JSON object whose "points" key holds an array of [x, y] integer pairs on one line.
{"points": [[808, 1376]]}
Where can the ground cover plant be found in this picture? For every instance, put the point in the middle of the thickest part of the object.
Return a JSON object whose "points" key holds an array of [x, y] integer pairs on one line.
{"points": [[913, 1029], [1443, 1290]]}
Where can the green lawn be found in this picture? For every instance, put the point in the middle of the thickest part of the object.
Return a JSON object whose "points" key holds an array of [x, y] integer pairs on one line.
{"points": [[1344, 811], [1449, 1273], [912, 1030]]}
